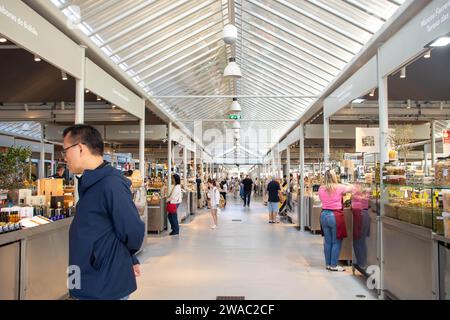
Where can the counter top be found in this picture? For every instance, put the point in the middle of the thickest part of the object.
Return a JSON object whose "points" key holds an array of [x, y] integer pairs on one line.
{"points": [[29, 232], [441, 238]]}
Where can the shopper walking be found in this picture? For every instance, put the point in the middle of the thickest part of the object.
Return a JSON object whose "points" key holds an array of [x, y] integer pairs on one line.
{"points": [[332, 219], [214, 196], [247, 184], [198, 182], [224, 191], [273, 190], [175, 197], [107, 230]]}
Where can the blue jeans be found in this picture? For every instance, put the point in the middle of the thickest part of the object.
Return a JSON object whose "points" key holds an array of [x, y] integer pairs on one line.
{"points": [[247, 195], [173, 219], [332, 246]]}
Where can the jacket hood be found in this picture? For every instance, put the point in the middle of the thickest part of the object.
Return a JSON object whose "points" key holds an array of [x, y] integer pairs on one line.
{"points": [[91, 177]]}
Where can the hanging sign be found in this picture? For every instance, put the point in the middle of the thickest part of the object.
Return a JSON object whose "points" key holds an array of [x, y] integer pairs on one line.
{"points": [[367, 140]]}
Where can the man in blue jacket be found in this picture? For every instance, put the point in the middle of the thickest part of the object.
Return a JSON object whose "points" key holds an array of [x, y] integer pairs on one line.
{"points": [[107, 230]]}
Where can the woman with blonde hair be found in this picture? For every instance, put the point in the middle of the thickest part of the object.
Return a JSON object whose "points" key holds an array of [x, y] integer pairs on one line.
{"points": [[332, 218]]}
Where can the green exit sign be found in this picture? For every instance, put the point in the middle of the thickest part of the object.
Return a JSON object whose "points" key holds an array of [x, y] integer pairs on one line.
{"points": [[234, 116]]}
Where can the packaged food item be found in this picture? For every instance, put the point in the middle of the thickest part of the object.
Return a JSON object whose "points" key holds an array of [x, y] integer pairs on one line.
{"points": [[446, 217], [393, 155], [442, 172]]}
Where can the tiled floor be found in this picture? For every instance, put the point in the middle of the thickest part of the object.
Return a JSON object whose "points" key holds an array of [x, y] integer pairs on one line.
{"points": [[251, 258]]}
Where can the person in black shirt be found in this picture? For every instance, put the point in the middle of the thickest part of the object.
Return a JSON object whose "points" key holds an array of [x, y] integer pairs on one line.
{"points": [[273, 189], [248, 183], [198, 182]]}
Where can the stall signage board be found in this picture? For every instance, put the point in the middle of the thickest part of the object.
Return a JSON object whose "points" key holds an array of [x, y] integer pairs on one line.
{"points": [[431, 23], [446, 141], [22, 25], [367, 140], [54, 132], [104, 85], [361, 82], [132, 132]]}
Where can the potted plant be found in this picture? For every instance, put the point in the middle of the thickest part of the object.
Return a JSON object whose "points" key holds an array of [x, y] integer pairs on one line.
{"points": [[13, 170]]}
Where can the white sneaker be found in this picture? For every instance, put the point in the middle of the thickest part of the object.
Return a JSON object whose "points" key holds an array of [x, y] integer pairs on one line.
{"points": [[213, 226], [338, 268]]}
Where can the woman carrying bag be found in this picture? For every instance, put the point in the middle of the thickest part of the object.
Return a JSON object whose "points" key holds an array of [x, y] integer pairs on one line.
{"points": [[214, 195], [332, 219], [173, 202]]}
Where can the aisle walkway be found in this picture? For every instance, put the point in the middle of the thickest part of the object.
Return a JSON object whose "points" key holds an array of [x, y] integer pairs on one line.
{"points": [[250, 258]]}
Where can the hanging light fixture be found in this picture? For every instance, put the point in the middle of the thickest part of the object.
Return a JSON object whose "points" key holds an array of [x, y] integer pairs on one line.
{"points": [[403, 73], [63, 75], [372, 93], [236, 125], [441, 42], [230, 34], [441, 105], [37, 58], [408, 104], [87, 91], [232, 70], [427, 54], [98, 98], [235, 107], [113, 106], [3, 40]]}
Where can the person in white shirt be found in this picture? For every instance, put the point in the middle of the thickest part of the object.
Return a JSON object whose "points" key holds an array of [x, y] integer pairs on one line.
{"points": [[214, 195], [175, 196]]}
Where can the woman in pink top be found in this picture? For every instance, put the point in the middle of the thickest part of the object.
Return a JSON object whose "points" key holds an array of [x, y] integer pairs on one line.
{"points": [[330, 195]]}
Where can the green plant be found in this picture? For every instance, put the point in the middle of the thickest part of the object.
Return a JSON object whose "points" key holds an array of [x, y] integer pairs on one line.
{"points": [[401, 138], [13, 167]]}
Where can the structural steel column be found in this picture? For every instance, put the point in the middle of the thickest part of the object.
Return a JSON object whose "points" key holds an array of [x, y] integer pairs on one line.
{"points": [[302, 177], [142, 147], [326, 141], [79, 91]]}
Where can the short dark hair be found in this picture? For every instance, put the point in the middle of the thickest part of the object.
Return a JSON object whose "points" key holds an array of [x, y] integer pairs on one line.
{"points": [[177, 179], [60, 167], [87, 135]]}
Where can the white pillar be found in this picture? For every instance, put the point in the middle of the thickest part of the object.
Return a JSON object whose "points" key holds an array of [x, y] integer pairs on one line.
{"points": [[279, 166], [169, 156], [142, 146], [42, 155], [326, 141], [433, 143], [425, 159], [288, 166], [185, 167], [301, 170], [195, 160], [383, 111], [79, 91]]}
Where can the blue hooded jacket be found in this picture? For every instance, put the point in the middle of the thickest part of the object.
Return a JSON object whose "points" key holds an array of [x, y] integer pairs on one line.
{"points": [[104, 235]]}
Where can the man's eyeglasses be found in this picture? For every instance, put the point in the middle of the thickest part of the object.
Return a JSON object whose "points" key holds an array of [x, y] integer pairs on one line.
{"points": [[64, 151]]}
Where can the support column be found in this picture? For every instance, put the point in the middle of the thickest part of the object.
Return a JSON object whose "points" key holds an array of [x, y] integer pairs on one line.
{"points": [[279, 166], [169, 157], [52, 163], [288, 166], [185, 167], [195, 160], [326, 141], [42, 155], [79, 91], [142, 147], [383, 108], [301, 171], [426, 149], [433, 143]]}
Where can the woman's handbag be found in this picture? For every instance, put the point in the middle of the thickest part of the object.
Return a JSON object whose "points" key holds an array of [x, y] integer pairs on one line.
{"points": [[171, 208]]}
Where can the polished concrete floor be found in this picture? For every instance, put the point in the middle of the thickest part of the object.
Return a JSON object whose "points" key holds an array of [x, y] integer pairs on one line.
{"points": [[249, 258]]}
